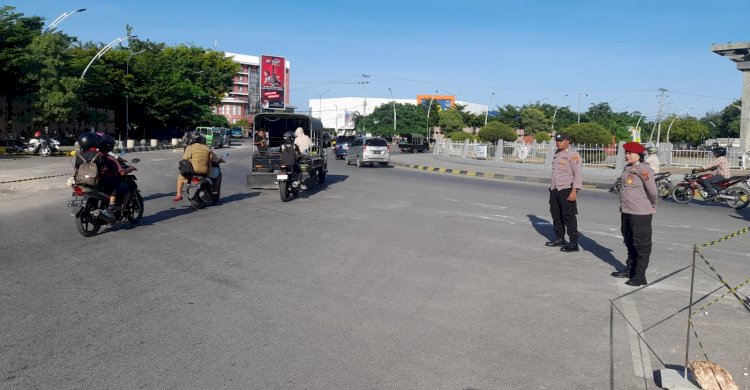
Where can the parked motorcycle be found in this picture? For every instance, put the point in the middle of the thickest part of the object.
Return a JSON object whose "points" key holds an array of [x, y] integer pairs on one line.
{"points": [[728, 191], [92, 203], [42, 145], [663, 186], [202, 191]]}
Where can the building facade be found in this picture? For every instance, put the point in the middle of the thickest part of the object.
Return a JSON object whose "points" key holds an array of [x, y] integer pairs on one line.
{"points": [[339, 113], [243, 102]]}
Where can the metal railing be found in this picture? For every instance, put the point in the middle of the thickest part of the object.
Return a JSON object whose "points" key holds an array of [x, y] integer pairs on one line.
{"points": [[604, 156]]}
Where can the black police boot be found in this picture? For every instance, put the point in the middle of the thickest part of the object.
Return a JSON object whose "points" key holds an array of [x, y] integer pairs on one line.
{"points": [[570, 247], [637, 281], [557, 242], [626, 272]]}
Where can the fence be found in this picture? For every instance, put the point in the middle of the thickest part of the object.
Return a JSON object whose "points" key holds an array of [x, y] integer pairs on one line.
{"points": [[604, 156]]}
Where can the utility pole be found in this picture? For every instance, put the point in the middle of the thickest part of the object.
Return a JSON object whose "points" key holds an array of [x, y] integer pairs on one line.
{"points": [[364, 83], [662, 91]]}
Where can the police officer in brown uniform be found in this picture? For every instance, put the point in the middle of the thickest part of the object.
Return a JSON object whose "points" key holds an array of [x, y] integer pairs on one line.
{"points": [[637, 206], [564, 185]]}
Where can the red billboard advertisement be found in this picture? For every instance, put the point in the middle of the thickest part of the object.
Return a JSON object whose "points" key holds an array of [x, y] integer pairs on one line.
{"points": [[272, 81]]}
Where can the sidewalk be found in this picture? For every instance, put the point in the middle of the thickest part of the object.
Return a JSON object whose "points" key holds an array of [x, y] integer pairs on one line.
{"points": [[601, 178]]}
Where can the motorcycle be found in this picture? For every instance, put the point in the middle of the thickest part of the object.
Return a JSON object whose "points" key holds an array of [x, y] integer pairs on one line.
{"points": [[42, 145], [727, 191], [664, 187], [202, 191], [289, 183], [92, 203]]}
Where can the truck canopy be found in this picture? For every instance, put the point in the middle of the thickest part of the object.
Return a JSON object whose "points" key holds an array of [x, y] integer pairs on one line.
{"points": [[276, 124]]}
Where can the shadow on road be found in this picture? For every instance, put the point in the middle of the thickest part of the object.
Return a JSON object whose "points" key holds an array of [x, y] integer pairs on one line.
{"points": [[185, 209], [157, 195], [544, 228]]}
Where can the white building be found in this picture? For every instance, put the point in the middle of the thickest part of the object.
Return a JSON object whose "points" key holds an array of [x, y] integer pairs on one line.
{"points": [[339, 113]]}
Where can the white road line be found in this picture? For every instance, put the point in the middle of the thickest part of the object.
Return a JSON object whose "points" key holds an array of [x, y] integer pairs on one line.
{"points": [[638, 349]]}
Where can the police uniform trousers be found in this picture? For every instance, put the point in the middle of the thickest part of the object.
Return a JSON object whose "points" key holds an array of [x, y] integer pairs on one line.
{"points": [[563, 214], [636, 231]]}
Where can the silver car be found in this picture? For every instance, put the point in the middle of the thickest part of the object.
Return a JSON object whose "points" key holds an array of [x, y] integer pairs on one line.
{"points": [[364, 150]]}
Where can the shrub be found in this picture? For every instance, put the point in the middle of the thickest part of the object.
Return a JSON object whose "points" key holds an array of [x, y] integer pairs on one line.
{"points": [[542, 137], [495, 131], [460, 136], [589, 133]]}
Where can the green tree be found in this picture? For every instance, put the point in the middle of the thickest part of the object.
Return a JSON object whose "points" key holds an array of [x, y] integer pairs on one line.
{"points": [[689, 130], [451, 121], [510, 115], [57, 90], [244, 123], [589, 134], [495, 131], [16, 34], [534, 119]]}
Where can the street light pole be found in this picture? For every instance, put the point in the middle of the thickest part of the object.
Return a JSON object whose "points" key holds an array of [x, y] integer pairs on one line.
{"points": [[104, 50], [579, 105], [675, 118], [127, 95], [60, 18], [394, 112], [489, 102], [320, 102], [336, 125], [428, 117], [554, 115]]}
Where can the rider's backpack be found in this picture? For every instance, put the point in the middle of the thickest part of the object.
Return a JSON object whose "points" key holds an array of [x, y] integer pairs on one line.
{"points": [[186, 168], [88, 172], [288, 155]]}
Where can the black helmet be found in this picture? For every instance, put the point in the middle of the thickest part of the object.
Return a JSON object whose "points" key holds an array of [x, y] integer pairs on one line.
{"points": [[107, 143], [195, 137], [289, 136], [720, 151], [88, 140]]}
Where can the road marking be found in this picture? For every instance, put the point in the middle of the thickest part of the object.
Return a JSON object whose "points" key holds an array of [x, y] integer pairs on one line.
{"points": [[638, 349]]}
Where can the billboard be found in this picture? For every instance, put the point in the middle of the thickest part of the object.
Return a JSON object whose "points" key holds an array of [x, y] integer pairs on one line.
{"points": [[445, 102], [272, 81]]}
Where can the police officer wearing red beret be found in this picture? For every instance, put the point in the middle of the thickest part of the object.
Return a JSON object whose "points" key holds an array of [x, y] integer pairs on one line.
{"points": [[637, 207], [566, 181]]}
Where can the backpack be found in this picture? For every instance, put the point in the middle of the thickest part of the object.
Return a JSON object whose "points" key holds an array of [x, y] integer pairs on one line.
{"points": [[88, 172], [186, 168], [288, 155]]}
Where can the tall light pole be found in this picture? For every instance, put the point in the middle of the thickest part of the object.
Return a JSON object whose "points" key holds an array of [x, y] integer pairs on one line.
{"points": [[394, 112], [127, 95], [104, 50], [554, 115], [60, 18], [364, 103], [675, 118], [428, 117], [489, 102], [320, 102], [336, 124], [579, 105]]}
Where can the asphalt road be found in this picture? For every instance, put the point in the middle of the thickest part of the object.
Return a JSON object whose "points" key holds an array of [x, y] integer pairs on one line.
{"points": [[385, 278]]}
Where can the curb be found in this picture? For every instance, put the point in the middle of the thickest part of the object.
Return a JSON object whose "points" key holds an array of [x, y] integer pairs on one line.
{"points": [[146, 148], [494, 176]]}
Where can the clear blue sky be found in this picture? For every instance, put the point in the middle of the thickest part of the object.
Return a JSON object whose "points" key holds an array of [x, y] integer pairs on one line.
{"points": [[620, 52]]}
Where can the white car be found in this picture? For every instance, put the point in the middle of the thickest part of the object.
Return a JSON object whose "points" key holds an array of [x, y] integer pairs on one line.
{"points": [[364, 150]]}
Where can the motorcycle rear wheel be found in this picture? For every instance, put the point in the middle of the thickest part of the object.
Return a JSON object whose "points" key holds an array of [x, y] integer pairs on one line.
{"points": [[135, 206], [284, 191], [741, 200], [682, 193], [664, 188], [86, 224]]}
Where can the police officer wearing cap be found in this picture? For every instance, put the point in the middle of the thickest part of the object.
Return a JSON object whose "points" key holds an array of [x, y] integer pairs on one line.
{"points": [[564, 185], [637, 206]]}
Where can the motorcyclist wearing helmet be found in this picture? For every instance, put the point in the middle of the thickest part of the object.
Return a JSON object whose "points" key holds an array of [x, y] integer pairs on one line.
{"points": [[652, 159], [290, 153], [203, 160], [720, 166], [88, 144], [114, 168]]}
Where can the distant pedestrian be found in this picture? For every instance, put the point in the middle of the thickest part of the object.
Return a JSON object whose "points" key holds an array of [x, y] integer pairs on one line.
{"points": [[566, 181], [638, 198]]}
